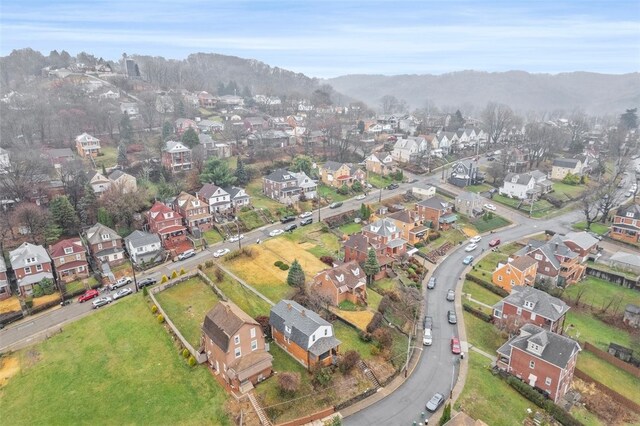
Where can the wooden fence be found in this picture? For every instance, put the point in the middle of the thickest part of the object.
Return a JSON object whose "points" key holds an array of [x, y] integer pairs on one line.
{"points": [[622, 400], [606, 356], [310, 418]]}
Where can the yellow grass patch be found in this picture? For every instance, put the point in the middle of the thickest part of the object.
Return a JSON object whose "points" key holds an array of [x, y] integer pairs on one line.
{"points": [[358, 318], [469, 232], [9, 305], [46, 299], [9, 366]]}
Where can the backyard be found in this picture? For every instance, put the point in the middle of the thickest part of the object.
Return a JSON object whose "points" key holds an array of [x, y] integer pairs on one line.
{"points": [[582, 325], [331, 195], [564, 192], [238, 294], [540, 208], [598, 228], [109, 159], [480, 293], [609, 375], [122, 345], [598, 293], [483, 334]]}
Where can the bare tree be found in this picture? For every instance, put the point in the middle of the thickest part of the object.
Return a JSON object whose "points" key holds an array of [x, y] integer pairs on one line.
{"points": [[28, 170], [34, 219], [147, 108], [577, 129], [497, 119]]}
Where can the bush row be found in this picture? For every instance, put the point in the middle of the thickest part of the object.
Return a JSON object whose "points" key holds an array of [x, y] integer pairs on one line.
{"points": [[477, 313], [492, 288]]}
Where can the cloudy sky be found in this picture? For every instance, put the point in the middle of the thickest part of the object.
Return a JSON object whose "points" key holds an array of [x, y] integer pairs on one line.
{"points": [[327, 38]]}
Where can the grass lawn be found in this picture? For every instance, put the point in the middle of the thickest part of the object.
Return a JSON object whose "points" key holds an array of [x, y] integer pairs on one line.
{"points": [[540, 208], [509, 202], [258, 199], [331, 194], [384, 284], [121, 357], [605, 267], [598, 228], [379, 181], [373, 299], [316, 239], [238, 294], [495, 222], [489, 262], [109, 159], [588, 327], [10, 305], [482, 334], [350, 228], [186, 304], [483, 390], [484, 187], [251, 219], [610, 375], [452, 235], [599, 292], [565, 192], [212, 237], [77, 285], [585, 417], [480, 293], [358, 318], [350, 340]]}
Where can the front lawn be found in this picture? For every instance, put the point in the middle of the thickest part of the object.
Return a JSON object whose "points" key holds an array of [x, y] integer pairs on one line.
{"points": [[480, 293], [488, 263], [350, 228], [250, 219], [116, 366], [384, 284], [331, 194], [565, 192], [187, 303], [238, 294], [598, 293], [78, 285], [258, 199], [379, 181], [350, 340], [109, 159], [482, 334], [212, 237], [598, 228], [540, 208], [609, 375], [483, 187], [489, 224]]}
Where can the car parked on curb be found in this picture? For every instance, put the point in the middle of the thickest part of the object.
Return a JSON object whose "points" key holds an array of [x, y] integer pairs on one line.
{"points": [[305, 214], [428, 322], [290, 228], [236, 238], [451, 317], [432, 283], [145, 282], [455, 346], [495, 242], [276, 232], [186, 254], [451, 295], [120, 283], [435, 402], [287, 219], [306, 221], [360, 197], [101, 302], [490, 207], [122, 293], [467, 260], [393, 186], [88, 295], [220, 253], [427, 338], [475, 239], [335, 205], [471, 247]]}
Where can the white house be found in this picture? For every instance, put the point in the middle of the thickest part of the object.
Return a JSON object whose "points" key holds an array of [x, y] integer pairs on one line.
{"points": [[518, 185], [408, 149], [110, 95], [307, 185], [218, 199], [142, 246], [131, 108]]}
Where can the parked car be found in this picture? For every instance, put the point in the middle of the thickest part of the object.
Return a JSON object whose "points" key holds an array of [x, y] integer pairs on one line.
{"points": [[490, 159], [288, 219], [122, 293], [432, 283], [435, 402], [101, 302], [120, 283], [451, 295], [451, 317], [306, 221], [276, 232], [335, 205], [305, 214], [428, 322], [360, 197], [145, 282], [490, 207], [186, 254], [393, 186], [455, 346], [471, 247], [290, 228], [220, 253], [467, 260], [495, 242], [88, 295], [475, 239], [236, 238], [427, 338]]}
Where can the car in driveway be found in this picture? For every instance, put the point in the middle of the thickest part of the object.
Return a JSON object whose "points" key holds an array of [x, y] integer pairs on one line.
{"points": [[393, 186], [220, 253], [88, 295], [120, 283], [101, 302], [467, 260], [305, 214], [435, 402], [432, 283], [490, 207], [428, 322], [360, 197], [427, 338], [145, 282], [290, 227], [451, 295], [186, 254], [495, 242], [451, 317], [455, 346], [335, 205], [276, 232], [475, 239], [122, 293], [471, 247]]}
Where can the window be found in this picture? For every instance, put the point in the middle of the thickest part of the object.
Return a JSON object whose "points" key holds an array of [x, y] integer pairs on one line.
{"points": [[38, 267], [547, 381], [27, 270], [313, 338], [532, 364], [80, 268], [238, 353], [236, 339], [287, 329], [538, 256], [105, 237], [546, 269], [62, 260], [499, 277], [78, 257], [326, 331], [508, 270], [513, 282], [68, 250], [99, 246], [519, 311], [253, 332], [254, 345]]}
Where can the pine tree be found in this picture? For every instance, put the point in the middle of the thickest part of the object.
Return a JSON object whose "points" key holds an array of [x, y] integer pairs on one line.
{"points": [[64, 215], [365, 211], [371, 266], [126, 130], [167, 130], [242, 178], [190, 138], [217, 171], [104, 171], [122, 155], [52, 233], [296, 276], [180, 109], [88, 206]]}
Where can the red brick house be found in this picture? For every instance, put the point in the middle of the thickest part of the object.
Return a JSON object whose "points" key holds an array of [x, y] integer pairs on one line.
{"points": [[582, 243], [556, 261], [176, 157], [5, 289], [344, 282], [235, 346], [626, 224], [356, 248], [436, 212], [69, 260], [167, 224], [31, 264], [302, 333], [207, 100], [544, 360], [194, 212], [182, 124], [384, 235], [530, 305], [105, 245]]}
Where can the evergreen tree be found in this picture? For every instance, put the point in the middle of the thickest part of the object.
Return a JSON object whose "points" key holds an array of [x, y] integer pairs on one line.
{"points": [[122, 155], [296, 276], [371, 266], [104, 217], [456, 121], [365, 211], [242, 177], [126, 130], [190, 138], [104, 171], [302, 163], [180, 109], [64, 215], [167, 130], [629, 120], [88, 206], [52, 233], [217, 171]]}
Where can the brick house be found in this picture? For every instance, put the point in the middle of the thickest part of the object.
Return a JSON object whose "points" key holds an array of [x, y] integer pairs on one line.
{"points": [[344, 282], [235, 346], [338, 174], [530, 305], [5, 289], [307, 337], [282, 186], [520, 271], [69, 260], [105, 245], [544, 360], [469, 204], [31, 264], [356, 248], [87, 145], [582, 243], [218, 199], [167, 224], [410, 226], [194, 212], [207, 100], [556, 262], [437, 211], [626, 224], [181, 125], [176, 157], [384, 235], [380, 163], [126, 183]]}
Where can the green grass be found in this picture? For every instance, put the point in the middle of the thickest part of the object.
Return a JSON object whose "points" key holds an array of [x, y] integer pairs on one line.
{"points": [[350, 340], [610, 375], [495, 222], [585, 417], [109, 159], [483, 390], [238, 294], [251, 219], [489, 262], [510, 202], [480, 293], [540, 208], [350, 228], [81, 284], [567, 192], [607, 268], [588, 327], [331, 194], [599, 292], [379, 181], [346, 305], [373, 299], [482, 334], [325, 242], [212, 237], [484, 187], [598, 228], [384, 284], [186, 304], [258, 199], [117, 366]]}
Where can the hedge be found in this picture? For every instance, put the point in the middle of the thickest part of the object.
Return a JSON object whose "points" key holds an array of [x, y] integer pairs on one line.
{"points": [[492, 288], [477, 313]]}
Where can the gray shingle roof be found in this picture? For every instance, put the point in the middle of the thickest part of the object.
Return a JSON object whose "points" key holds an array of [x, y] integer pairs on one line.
{"points": [[631, 208], [116, 174], [223, 321], [521, 178], [26, 251], [233, 192], [435, 203], [383, 227], [141, 239], [558, 349], [332, 166], [565, 162], [551, 248], [94, 234], [544, 304], [302, 322], [583, 239], [280, 175], [208, 189]]}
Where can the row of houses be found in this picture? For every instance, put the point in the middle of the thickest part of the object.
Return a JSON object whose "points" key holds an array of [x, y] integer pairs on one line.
{"points": [[409, 149]]}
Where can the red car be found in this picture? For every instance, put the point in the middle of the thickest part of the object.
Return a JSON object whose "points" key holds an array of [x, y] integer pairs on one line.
{"points": [[494, 242], [455, 346], [88, 295]]}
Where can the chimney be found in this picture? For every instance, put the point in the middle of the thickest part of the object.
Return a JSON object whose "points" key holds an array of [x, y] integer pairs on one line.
{"points": [[289, 307], [556, 246], [302, 312]]}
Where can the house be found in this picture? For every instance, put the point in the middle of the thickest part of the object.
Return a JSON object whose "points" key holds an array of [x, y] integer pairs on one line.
{"points": [[210, 126], [56, 156], [308, 186], [87, 145], [194, 212], [527, 304], [356, 248], [518, 185], [408, 150], [218, 199], [543, 359], [99, 182], [142, 247], [69, 260], [110, 95], [253, 124], [563, 166], [129, 108], [384, 235], [238, 197], [307, 337], [282, 186], [207, 100], [213, 148], [542, 183], [344, 282], [626, 224], [631, 315], [517, 160], [463, 174], [31, 264], [270, 139], [164, 104], [520, 271], [235, 346], [124, 182], [167, 224], [469, 204], [410, 226], [437, 211], [176, 157], [556, 262], [380, 163], [5, 289], [582, 243], [182, 124], [339, 174], [105, 245]]}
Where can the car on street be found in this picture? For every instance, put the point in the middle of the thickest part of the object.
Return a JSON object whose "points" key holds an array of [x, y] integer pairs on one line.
{"points": [[186, 254], [628, 194], [471, 247], [220, 253], [455, 346], [432, 283], [88, 295], [475, 239], [287, 219], [491, 159], [451, 295], [120, 283], [393, 186], [427, 338], [101, 302], [428, 322], [145, 282], [235, 238], [495, 242], [451, 317], [122, 293], [290, 228], [276, 232], [490, 207], [306, 221], [435, 402], [305, 214], [360, 197], [467, 260], [335, 205]]}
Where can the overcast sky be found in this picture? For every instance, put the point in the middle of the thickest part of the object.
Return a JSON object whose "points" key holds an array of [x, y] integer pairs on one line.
{"points": [[327, 38]]}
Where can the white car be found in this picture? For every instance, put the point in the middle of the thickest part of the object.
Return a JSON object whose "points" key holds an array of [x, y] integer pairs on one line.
{"points": [[360, 197], [220, 253], [236, 238], [120, 283], [475, 239], [276, 232], [490, 207], [122, 293], [305, 214], [471, 247], [101, 302]]}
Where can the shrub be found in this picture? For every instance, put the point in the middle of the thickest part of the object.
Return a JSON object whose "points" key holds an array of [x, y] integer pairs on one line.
{"points": [[37, 291], [343, 190], [375, 351], [384, 338], [47, 286], [278, 263], [348, 361], [185, 353], [393, 295], [182, 271], [164, 279], [192, 361], [208, 263], [385, 303], [246, 251], [145, 291], [477, 313], [493, 288], [434, 235], [174, 275], [154, 309], [28, 302], [263, 320], [219, 273], [364, 336], [322, 376], [328, 260], [446, 414], [160, 318], [375, 322], [419, 245], [200, 266], [284, 267], [288, 383]]}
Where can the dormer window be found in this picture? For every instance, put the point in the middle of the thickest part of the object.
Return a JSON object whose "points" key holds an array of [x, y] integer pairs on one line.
{"points": [[287, 329], [105, 237], [514, 179], [630, 214], [30, 260], [528, 304], [68, 250]]}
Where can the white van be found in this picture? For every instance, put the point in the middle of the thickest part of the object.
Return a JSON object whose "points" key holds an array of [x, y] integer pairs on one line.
{"points": [[427, 339]]}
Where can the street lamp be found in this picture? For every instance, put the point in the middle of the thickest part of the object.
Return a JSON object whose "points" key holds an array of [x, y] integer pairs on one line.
{"points": [[235, 221]]}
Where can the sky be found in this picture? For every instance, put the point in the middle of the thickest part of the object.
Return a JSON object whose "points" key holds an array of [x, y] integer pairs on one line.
{"points": [[327, 38]]}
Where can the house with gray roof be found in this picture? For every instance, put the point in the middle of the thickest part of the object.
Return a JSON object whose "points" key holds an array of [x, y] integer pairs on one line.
{"points": [[544, 360], [518, 185], [385, 237], [469, 204], [556, 261], [308, 186], [143, 247], [436, 212], [238, 197], [527, 304], [563, 166], [105, 245], [307, 337], [629, 262], [31, 264], [281, 185], [218, 199], [581, 242]]}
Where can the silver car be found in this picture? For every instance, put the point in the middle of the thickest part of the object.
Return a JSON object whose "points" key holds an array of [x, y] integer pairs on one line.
{"points": [[101, 302], [435, 402], [451, 295]]}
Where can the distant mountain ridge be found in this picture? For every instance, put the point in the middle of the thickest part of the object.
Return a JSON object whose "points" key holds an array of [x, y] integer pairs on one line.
{"points": [[522, 91]]}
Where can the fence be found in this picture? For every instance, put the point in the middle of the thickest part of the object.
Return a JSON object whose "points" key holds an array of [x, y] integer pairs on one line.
{"points": [[310, 418], [606, 356], [620, 399], [612, 277]]}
